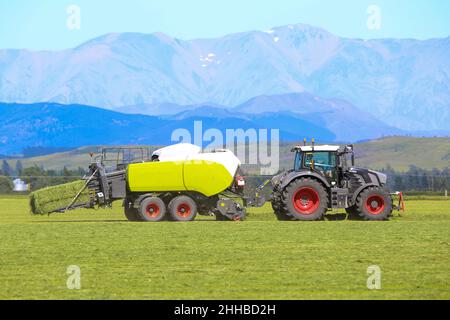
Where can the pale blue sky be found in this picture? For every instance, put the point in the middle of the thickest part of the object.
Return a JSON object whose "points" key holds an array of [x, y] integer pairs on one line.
{"points": [[41, 24]]}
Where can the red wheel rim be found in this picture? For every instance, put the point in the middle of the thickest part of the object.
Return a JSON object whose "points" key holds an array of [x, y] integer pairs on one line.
{"points": [[152, 210], [306, 200], [184, 210], [375, 204]]}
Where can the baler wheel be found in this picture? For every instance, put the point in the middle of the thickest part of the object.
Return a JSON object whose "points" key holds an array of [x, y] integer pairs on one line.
{"points": [[182, 208], [152, 209]]}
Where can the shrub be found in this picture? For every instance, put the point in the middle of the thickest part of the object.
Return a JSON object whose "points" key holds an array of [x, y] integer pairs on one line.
{"points": [[6, 185]]}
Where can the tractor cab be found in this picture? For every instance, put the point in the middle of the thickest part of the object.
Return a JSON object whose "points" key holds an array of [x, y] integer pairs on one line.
{"points": [[325, 177], [327, 160]]}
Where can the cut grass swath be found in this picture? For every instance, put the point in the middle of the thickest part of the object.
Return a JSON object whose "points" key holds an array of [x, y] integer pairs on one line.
{"points": [[51, 199]]}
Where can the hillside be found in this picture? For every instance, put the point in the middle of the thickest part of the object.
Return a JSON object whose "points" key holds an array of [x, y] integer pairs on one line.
{"points": [[401, 152], [403, 82], [398, 152], [53, 126]]}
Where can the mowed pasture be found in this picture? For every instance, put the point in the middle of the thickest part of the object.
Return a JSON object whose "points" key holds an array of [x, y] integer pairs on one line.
{"points": [[260, 258]]}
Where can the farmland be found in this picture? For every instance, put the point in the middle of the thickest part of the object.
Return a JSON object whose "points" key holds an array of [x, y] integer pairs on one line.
{"points": [[257, 259], [397, 152]]}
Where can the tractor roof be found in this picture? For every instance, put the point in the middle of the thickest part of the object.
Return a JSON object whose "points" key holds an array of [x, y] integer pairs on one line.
{"points": [[317, 148]]}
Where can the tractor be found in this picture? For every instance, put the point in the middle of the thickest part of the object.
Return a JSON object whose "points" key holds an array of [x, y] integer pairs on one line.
{"points": [[324, 178]]}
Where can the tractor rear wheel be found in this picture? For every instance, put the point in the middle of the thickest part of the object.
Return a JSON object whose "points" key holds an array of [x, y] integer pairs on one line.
{"points": [[305, 199], [277, 206], [182, 208], [152, 209], [374, 204]]}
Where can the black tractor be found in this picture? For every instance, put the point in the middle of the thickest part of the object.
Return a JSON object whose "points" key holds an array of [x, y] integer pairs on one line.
{"points": [[324, 178]]}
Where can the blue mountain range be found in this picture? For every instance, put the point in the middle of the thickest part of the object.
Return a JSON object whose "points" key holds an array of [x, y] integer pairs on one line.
{"points": [[299, 116], [402, 82], [133, 88]]}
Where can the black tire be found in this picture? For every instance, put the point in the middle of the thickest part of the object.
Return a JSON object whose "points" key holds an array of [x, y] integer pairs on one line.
{"points": [[182, 208], [305, 199], [131, 213], [277, 206], [375, 204], [152, 209]]}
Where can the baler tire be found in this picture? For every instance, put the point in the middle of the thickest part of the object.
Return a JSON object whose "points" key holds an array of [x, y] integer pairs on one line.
{"points": [[316, 195], [182, 209], [374, 204], [152, 209]]}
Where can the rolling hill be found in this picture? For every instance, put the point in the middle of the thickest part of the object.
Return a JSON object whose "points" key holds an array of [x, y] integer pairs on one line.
{"points": [[397, 152]]}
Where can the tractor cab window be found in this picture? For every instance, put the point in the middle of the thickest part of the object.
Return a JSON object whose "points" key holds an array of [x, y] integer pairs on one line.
{"points": [[323, 161], [298, 161]]}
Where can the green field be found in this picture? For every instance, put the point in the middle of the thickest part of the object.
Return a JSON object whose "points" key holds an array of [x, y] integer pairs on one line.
{"points": [[257, 259]]}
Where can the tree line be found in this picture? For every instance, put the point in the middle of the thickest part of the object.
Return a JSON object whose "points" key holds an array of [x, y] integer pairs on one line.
{"points": [[36, 176], [415, 179]]}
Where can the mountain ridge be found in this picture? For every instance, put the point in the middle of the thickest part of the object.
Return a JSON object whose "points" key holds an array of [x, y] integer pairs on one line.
{"points": [[54, 125], [405, 82]]}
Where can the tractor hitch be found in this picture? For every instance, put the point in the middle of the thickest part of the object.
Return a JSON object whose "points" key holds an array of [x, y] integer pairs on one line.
{"points": [[258, 199]]}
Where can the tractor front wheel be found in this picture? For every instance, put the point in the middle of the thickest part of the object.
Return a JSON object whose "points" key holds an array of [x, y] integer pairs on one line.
{"points": [[375, 204], [305, 199]]}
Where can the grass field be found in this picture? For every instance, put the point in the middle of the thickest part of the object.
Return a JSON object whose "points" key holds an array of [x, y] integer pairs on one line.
{"points": [[257, 259]]}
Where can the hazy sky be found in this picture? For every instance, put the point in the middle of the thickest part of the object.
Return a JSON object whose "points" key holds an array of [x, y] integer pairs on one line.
{"points": [[42, 24]]}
